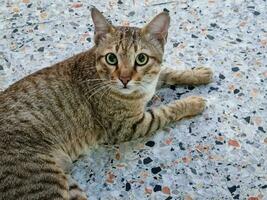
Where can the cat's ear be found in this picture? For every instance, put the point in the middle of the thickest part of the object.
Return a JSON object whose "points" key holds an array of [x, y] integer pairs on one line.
{"points": [[102, 26], [158, 27]]}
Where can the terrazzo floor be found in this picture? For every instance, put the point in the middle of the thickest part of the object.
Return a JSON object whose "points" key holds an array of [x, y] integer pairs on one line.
{"points": [[220, 154]]}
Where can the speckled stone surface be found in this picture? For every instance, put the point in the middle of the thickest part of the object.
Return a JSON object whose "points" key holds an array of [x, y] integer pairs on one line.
{"points": [[218, 155]]}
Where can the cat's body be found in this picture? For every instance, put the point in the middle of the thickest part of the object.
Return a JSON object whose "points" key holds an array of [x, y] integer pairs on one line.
{"points": [[52, 116]]}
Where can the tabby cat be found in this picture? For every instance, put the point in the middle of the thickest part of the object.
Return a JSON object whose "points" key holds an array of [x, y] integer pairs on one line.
{"points": [[50, 117]]}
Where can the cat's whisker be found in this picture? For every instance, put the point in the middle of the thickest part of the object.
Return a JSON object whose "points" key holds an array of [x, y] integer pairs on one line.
{"points": [[106, 91], [94, 80], [97, 86], [98, 90], [93, 90]]}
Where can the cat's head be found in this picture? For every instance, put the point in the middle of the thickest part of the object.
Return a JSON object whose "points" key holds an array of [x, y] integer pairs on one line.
{"points": [[130, 57]]}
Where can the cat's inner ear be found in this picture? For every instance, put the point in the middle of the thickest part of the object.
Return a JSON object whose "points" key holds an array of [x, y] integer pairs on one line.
{"points": [[102, 26], [158, 26]]}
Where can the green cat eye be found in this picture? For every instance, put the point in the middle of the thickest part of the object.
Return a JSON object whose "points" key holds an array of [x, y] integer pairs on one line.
{"points": [[111, 59], [141, 59]]}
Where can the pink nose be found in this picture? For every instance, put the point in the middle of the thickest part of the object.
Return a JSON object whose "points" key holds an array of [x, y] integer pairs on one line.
{"points": [[125, 80]]}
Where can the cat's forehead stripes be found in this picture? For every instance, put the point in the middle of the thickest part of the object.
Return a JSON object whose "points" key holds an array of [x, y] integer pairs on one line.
{"points": [[127, 38]]}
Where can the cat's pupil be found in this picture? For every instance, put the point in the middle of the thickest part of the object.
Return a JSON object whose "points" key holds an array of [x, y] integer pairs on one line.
{"points": [[112, 58], [141, 58]]}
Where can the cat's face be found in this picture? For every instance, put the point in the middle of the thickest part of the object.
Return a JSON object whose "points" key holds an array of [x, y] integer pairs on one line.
{"points": [[129, 58]]}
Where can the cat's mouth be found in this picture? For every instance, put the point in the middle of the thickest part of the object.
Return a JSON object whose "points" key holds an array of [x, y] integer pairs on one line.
{"points": [[127, 89], [132, 88]]}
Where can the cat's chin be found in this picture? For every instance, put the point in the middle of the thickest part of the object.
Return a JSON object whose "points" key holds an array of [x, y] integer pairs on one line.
{"points": [[129, 90]]}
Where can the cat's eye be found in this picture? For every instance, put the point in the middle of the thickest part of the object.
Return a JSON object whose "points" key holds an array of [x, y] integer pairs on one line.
{"points": [[111, 59], [141, 59]]}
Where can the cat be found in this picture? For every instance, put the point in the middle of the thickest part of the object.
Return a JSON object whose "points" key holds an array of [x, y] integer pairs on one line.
{"points": [[50, 117]]}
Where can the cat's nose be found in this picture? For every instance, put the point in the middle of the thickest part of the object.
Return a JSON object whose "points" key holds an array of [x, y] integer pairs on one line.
{"points": [[125, 80]]}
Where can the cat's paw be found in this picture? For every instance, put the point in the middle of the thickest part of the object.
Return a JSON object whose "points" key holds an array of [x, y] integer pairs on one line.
{"points": [[203, 74], [195, 105]]}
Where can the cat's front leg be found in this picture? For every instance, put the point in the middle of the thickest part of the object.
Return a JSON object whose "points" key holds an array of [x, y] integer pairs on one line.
{"points": [[157, 118], [196, 76]]}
